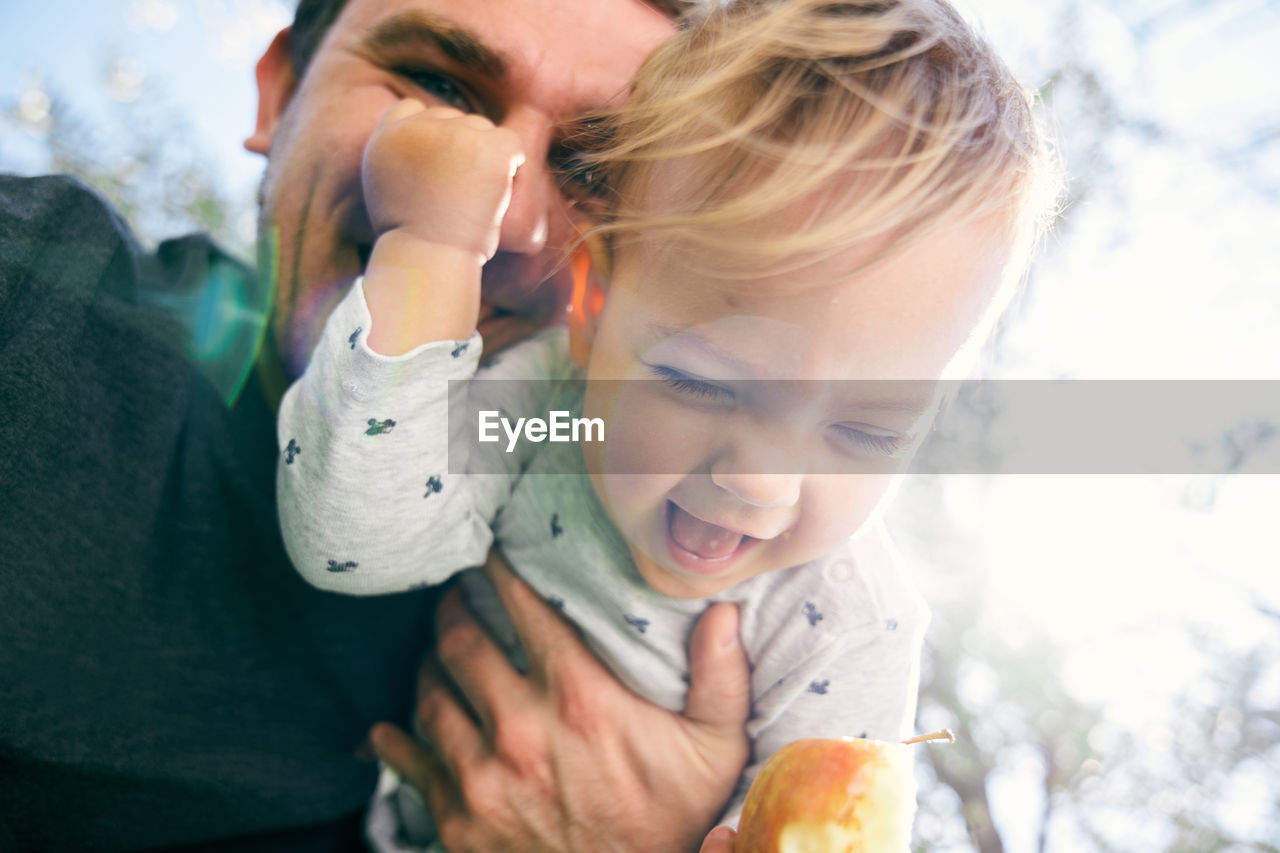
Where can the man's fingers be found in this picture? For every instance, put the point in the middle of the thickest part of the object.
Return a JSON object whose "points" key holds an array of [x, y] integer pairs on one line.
{"points": [[407, 756], [720, 679], [474, 663], [544, 633], [719, 840], [418, 767], [444, 722]]}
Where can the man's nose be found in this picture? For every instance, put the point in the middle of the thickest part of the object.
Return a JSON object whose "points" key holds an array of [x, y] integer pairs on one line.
{"points": [[524, 227]]}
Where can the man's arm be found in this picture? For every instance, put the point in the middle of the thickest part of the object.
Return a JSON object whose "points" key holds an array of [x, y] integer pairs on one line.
{"points": [[565, 758]]}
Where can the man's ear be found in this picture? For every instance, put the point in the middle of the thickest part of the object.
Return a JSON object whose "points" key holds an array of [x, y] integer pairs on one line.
{"points": [[276, 82], [589, 270]]}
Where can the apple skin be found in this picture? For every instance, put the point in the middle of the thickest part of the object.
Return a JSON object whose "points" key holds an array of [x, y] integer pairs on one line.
{"points": [[831, 795]]}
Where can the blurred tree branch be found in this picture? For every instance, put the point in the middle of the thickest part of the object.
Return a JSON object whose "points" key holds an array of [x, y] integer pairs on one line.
{"points": [[146, 162]]}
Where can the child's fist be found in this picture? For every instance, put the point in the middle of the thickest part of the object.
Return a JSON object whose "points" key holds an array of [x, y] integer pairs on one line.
{"points": [[441, 175]]}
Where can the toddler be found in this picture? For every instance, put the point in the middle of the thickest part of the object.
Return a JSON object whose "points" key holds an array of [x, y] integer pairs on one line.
{"points": [[833, 190]]}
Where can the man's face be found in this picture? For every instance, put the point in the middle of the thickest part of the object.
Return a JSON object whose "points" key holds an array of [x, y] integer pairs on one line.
{"points": [[529, 65]]}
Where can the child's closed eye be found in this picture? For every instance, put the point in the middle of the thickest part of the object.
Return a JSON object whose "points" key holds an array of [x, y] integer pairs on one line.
{"points": [[861, 439], [852, 439], [691, 385]]}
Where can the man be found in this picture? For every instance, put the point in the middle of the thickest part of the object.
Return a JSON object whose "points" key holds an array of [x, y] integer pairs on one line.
{"points": [[166, 680]]}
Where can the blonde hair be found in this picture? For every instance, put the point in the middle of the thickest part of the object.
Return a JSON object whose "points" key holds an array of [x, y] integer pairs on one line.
{"points": [[772, 129]]}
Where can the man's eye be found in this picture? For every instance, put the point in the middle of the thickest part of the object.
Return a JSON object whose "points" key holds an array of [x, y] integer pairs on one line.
{"points": [[867, 440], [692, 386], [571, 161], [579, 178], [439, 86]]}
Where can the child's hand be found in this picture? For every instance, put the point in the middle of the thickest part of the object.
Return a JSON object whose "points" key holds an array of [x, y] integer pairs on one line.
{"points": [[437, 182], [441, 176]]}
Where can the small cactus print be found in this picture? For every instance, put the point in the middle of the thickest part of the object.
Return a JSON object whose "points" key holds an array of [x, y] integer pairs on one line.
{"points": [[811, 613]]}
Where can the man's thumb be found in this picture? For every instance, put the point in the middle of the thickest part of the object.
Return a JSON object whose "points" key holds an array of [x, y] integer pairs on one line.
{"points": [[719, 677]]}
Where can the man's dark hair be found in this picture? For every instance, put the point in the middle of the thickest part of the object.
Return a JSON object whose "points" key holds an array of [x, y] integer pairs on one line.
{"points": [[310, 22], [313, 18]]}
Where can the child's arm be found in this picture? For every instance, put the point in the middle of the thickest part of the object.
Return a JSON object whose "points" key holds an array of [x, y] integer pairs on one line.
{"points": [[437, 183], [367, 501]]}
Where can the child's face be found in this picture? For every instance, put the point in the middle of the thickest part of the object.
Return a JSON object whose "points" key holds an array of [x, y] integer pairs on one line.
{"points": [[735, 474]]}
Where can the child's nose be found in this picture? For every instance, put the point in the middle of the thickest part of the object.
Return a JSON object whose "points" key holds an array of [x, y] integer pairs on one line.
{"points": [[760, 465], [756, 489]]}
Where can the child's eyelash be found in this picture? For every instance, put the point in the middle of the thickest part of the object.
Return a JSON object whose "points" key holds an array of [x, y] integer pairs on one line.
{"points": [[859, 441], [686, 384], [884, 445]]}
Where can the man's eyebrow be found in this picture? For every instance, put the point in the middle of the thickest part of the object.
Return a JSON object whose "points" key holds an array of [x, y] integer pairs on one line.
{"points": [[420, 29]]}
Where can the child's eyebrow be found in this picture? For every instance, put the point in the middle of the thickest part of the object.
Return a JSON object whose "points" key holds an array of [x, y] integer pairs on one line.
{"points": [[697, 341], [910, 405], [417, 29], [891, 396]]}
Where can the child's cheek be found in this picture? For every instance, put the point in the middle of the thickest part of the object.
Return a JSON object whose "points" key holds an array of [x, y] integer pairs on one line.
{"points": [[651, 444], [836, 507], [649, 432]]}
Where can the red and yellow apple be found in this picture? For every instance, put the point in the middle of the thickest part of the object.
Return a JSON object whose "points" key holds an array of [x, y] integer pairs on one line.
{"points": [[833, 795]]}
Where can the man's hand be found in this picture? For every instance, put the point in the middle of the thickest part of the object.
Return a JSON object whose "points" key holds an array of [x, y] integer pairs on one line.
{"points": [[719, 840], [565, 758]]}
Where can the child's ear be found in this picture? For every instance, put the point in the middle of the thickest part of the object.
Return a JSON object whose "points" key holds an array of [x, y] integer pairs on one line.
{"points": [[586, 303], [276, 82]]}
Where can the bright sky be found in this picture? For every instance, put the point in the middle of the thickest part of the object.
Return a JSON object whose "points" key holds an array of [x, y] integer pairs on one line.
{"points": [[1170, 270], [196, 55]]}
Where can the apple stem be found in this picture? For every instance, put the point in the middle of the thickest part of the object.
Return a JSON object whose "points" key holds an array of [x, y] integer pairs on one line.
{"points": [[941, 734]]}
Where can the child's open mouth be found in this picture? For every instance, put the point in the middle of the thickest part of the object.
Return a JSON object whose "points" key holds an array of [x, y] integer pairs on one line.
{"points": [[700, 546]]}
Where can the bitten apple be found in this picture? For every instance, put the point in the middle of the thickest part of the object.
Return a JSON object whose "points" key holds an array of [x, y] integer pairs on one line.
{"points": [[833, 795]]}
